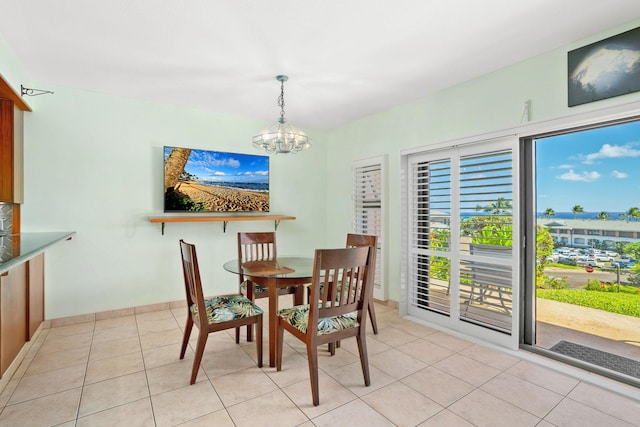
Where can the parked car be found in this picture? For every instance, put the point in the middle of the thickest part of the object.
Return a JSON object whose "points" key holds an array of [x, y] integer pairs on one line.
{"points": [[566, 260], [553, 258], [585, 262], [623, 264], [603, 257]]}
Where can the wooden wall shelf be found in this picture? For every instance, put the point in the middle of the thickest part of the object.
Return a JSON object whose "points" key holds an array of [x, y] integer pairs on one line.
{"points": [[223, 219]]}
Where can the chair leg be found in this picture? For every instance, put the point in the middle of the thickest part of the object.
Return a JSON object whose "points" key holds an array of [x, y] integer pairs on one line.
{"points": [[312, 355], [259, 339], [237, 335], [187, 333], [372, 316], [251, 296], [202, 342], [364, 359], [279, 346]]}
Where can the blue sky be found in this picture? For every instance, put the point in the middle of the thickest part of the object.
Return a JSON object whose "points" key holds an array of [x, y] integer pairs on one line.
{"points": [[598, 169], [221, 166]]}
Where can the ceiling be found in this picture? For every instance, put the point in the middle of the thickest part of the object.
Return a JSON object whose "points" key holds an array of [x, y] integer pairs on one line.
{"points": [[346, 59]]}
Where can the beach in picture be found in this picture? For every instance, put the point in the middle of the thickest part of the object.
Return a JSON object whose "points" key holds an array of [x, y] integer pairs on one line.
{"points": [[214, 181]]}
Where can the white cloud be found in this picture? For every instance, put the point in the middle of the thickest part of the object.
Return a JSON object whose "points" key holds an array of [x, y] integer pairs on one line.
{"points": [[620, 175], [565, 166], [584, 176], [233, 163], [608, 151]]}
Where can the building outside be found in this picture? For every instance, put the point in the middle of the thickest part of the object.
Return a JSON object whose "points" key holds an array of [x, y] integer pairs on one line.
{"points": [[590, 233]]}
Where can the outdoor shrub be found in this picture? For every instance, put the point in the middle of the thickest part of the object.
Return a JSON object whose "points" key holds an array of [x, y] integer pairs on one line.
{"points": [[596, 285], [550, 282]]}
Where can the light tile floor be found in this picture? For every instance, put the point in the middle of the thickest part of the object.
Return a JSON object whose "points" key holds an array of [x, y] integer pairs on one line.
{"points": [[125, 371]]}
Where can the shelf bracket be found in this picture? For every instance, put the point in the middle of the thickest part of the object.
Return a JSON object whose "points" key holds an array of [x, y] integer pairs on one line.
{"points": [[224, 226], [277, 223], [163, 228]]}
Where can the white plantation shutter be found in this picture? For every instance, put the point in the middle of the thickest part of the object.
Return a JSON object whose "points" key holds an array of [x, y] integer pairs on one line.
{"points": [[460, 237], [431, 235], [368, 210], [486, 192]]}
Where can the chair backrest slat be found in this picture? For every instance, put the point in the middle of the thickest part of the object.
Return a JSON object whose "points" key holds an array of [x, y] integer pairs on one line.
{"points": [[256, 246], [345, 286]]}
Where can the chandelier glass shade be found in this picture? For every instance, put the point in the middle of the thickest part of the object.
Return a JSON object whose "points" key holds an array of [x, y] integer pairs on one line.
{"points": [[281, 137]]}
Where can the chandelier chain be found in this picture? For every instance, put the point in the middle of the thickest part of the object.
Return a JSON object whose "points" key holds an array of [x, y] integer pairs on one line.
{"points": [[281, 100]]}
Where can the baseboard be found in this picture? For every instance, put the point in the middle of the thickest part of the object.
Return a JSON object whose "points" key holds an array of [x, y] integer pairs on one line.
{"points": [[110, 314]]}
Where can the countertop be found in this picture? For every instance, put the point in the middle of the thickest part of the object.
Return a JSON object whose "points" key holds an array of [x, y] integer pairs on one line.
{"points": [[18, 248]]}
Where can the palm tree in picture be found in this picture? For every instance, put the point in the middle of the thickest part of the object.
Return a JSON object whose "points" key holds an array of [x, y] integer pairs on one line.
{"points": [[633, 213], [174, 166], [548, 213], [576, 210], [603, 215]]}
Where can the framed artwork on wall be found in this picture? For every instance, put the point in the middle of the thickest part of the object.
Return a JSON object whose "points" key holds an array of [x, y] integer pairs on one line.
{"points": [[200, 181], [605, 69]]}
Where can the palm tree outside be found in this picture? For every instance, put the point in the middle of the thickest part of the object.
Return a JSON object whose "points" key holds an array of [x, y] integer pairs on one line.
{"points": [[603, 215], [548, 213], [576, 210], [633, 213], [500, 206]]}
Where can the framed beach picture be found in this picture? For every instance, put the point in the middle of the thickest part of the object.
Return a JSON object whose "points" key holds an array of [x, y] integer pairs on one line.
{"points": [[215, 181], [608, 68]]}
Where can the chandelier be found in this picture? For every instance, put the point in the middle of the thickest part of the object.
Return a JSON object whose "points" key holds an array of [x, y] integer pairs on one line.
{"points": [[281, 137]]}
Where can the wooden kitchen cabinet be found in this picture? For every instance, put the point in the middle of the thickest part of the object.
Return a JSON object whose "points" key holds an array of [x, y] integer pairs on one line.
{"points": [[21, 307], [35, 294], [13, 314], [11, 152]]}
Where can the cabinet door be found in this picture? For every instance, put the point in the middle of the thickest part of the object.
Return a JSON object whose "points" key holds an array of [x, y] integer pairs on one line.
{"points": [[6, 150], [18, 155], [36, 293], [13, 314], [11, 152]]}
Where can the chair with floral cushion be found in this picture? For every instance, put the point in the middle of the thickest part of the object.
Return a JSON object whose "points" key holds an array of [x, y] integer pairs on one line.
{"points": [[355, 240], [341, 288], [214, 313], [257, 246]]}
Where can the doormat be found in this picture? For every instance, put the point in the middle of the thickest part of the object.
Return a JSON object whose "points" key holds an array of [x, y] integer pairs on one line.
{"points": [[600, 358]]}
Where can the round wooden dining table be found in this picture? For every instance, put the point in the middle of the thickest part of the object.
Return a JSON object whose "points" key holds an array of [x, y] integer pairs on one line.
{"points": [[275, 274]]}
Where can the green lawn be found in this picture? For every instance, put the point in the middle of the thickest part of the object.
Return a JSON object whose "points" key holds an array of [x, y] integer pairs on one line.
{"points": [[621, 303]]}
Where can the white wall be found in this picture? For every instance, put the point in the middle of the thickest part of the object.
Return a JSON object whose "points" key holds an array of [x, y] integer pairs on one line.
{"points": [[94, 165]]}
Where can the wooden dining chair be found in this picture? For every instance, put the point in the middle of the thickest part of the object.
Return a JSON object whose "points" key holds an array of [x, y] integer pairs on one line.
{"points": [[214, 313], [257, 246], [340, 292], [356, 240]]}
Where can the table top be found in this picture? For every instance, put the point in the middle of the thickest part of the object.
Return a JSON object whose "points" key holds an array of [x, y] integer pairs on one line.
{"points": [[281, 267], [18, 248]]}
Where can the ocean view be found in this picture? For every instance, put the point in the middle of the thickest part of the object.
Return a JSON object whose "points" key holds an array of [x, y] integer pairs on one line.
{"points": [[583, 215], [262, 187]]}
